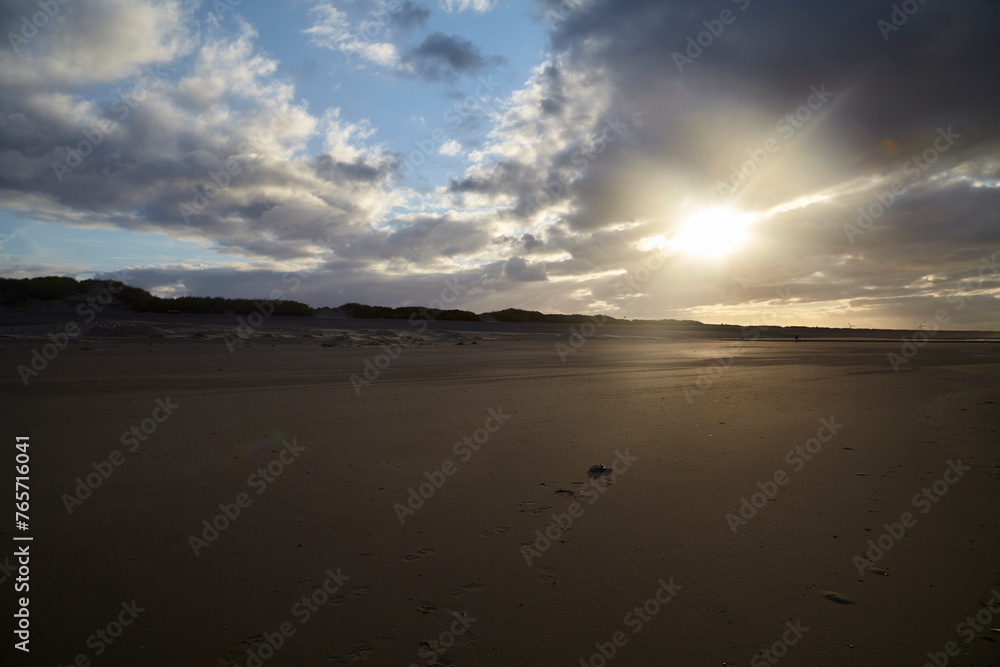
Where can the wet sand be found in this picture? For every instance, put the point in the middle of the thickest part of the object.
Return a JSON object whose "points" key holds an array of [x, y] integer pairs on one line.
{"points": [[498, 437]]}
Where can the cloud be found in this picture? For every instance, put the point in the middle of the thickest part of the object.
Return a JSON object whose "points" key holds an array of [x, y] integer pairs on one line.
{"points": [[442, 56], [90, 43], [519, 270], [524, 244], [190, 130], [450, 147], [216, 155], [465, 5], [690, 130], [411, 15], [332, 29]]}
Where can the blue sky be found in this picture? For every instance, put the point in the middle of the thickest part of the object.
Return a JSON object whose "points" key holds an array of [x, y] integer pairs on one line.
{"points": [[722, 160]]}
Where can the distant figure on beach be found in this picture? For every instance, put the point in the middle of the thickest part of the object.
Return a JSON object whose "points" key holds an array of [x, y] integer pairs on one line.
{"points": [[796, 338]]}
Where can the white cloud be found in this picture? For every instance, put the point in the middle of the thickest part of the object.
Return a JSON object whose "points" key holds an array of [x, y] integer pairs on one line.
{"points": [[97, 42], [450, 147], [333, 30], [463, 5]]}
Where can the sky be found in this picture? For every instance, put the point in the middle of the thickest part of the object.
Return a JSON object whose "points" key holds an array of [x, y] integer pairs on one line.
{"points": [[788, 162]]}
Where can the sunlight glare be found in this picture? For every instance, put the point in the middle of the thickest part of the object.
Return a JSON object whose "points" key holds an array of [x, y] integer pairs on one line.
{"points": [[712, 232]]}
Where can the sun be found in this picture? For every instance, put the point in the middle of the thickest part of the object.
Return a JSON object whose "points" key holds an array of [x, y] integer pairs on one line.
{"points": [[713, 232]]}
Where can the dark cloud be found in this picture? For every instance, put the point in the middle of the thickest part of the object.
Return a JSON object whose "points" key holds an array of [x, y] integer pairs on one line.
{"points": [[554, 101], [422, 238], [927, 73], [330, 169], [518, 269], [412, 15], [443, 57], [524, 244]]}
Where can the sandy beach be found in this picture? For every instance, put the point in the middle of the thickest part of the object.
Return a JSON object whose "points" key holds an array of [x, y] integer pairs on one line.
{"points": [[482, 333], [258, 507]]}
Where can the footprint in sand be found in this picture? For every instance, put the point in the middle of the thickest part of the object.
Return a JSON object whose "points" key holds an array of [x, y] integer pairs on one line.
{"points": [[422, 552], [496, 531], [474, 587], [528, 506], [235, 655], [362, 653], [427, 608], [568, 492], [547, 575], [833, 596]]}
